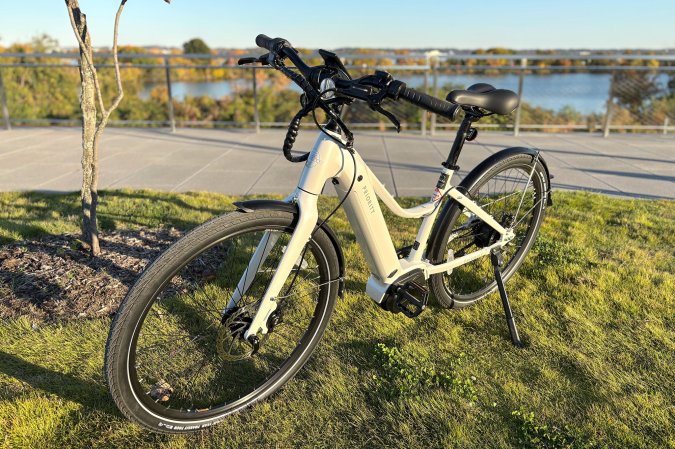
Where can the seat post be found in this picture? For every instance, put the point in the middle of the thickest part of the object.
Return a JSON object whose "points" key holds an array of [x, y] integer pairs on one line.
{"points": [[458, 144]]}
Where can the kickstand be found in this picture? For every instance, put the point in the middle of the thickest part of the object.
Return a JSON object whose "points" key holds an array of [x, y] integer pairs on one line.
{"points": [[496, 262]]}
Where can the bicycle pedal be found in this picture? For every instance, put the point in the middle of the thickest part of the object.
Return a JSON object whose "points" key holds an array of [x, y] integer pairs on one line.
{"points": [[409, 295], [409, 305]]}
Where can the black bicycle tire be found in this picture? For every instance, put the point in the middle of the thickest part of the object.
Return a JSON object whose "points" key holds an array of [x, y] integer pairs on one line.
{"points": [[164, 267], [447, 299]]}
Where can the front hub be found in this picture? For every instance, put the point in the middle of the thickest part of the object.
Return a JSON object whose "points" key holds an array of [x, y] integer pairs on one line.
{"points": [[230, 343]]}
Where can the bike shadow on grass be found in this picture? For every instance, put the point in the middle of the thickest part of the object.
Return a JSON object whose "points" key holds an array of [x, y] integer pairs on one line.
{"points": [[149, 197], [66, 386]]}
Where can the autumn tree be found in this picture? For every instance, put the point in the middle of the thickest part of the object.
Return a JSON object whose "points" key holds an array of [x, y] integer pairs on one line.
{"points": [[634, 89], [95, 116], [196, 46]]}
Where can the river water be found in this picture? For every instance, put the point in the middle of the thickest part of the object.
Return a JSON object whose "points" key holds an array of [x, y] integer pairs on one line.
{"points": [[585, 92]]}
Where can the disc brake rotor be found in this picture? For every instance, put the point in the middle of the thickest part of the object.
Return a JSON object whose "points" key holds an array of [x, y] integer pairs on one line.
{"points": [[230, 343]]}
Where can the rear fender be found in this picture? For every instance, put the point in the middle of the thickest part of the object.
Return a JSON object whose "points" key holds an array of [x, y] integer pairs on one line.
{"points": [[472, 177]]}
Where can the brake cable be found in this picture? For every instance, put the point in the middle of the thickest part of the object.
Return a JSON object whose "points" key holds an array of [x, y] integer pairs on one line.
{"points": [[294, 128]]}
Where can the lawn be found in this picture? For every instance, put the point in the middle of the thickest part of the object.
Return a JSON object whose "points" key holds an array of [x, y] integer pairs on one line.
{"points": [[595, 301]]}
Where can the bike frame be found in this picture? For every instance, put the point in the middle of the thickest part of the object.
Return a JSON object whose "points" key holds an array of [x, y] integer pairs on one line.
{"points": [[331, 159]]}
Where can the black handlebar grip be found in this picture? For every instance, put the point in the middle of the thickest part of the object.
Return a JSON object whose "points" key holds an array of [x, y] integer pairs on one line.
{"points": [[431, 104], [263, 41], [269, 44]]}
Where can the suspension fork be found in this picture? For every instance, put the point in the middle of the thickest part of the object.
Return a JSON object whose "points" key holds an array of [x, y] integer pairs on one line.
{"points": [[307, 218], [262, 251], [325, 161], [265, 247]]}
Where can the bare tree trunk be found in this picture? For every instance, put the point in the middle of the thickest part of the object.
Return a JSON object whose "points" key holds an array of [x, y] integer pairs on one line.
{"points": [[95, 117], [93, 230], [88, 194]]}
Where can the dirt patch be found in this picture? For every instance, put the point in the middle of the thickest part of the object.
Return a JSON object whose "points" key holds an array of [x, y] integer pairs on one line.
{"points": [[52, 280]]}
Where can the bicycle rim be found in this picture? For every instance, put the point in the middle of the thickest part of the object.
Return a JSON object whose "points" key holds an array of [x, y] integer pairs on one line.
{"points": [[185, 361], [514, 195]]}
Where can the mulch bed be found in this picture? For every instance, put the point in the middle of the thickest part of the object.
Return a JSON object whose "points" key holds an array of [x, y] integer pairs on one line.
{"points": [[52, 279]]}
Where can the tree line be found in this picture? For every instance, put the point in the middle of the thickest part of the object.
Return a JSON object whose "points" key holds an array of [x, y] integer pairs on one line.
{"points": [[51, 93]]}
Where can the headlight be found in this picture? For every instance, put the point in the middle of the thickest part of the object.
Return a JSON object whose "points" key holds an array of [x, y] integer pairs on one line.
{"points": [[327, 85]]}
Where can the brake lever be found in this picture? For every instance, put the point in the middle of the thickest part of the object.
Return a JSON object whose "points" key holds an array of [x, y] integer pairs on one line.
{"points": [[389, 115], [244, 61], [382, 80], [264, 60], [364, 91]]}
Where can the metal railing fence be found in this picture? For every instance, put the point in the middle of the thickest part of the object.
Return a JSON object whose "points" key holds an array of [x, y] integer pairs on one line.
{"points": [[612, 92]]}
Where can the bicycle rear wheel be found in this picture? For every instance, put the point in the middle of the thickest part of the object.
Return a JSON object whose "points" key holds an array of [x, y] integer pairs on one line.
{"points": [[176, 360], [512, 188]]}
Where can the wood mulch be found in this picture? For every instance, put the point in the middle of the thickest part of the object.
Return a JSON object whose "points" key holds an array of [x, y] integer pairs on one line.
{"points": [[52, 279]]}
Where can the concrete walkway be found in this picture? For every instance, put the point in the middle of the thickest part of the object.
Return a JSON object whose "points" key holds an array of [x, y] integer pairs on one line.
{"points": [[242, 162]]}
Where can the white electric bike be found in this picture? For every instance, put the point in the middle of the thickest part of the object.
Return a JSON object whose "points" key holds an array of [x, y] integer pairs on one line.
{"points": [[230, 312]]}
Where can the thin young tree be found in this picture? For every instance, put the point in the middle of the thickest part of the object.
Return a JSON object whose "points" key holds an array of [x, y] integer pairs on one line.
{"points": [[95, 117]]}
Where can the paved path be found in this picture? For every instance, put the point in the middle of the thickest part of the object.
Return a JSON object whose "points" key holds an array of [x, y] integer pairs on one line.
{"points": [[242, 162]]}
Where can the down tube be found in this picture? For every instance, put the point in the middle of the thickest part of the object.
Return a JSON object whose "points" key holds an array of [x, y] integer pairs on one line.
{"points": [[365, 216]]}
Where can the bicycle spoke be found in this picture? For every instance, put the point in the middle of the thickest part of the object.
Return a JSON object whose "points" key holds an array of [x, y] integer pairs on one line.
{"points": [[501, 198], [527, 213], [506, 197], [179, 355]]}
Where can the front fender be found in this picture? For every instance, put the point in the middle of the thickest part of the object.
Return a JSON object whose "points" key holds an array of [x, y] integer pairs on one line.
{"points": [[253, 205]]}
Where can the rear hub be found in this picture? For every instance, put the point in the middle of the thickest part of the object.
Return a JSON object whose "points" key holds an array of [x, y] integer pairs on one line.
{"points": [[486, 235]]}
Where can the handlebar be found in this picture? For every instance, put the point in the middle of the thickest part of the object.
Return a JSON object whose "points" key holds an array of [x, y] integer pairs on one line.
{"points": [[429, 103], [395, 89], [281, 47], [372, 89]]}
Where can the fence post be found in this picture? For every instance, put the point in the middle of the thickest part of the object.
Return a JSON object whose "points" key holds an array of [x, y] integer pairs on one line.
{"points": [[423, 125], [3, 100], [435, 94], [256, 113], [521, 80], [172, 117], [665, 125], [608, 110]]}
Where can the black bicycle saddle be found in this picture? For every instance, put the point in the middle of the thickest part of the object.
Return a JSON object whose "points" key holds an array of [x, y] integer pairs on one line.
{"points": [[485, 96]]}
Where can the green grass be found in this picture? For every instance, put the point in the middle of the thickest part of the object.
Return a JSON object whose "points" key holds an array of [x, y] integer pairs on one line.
{"points": [[595, 300]]}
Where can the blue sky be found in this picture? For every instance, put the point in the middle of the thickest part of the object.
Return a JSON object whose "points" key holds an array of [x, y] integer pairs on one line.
{"points": [[358, 23]]}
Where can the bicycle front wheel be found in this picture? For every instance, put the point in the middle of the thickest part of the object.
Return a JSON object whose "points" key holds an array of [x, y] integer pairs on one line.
{"points": [[176, 359], [513, 189]]}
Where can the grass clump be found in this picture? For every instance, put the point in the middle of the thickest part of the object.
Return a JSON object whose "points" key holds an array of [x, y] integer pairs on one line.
{"points": [[533, 434], [400, 377], [553, 252]]}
